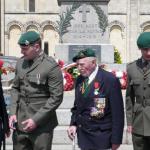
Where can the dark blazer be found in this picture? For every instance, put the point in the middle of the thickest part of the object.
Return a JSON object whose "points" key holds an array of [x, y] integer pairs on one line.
{"points": [[4, 125], [99, 132]]}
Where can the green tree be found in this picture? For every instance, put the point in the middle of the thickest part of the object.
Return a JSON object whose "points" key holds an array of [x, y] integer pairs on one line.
{"points": [[117, 56]]}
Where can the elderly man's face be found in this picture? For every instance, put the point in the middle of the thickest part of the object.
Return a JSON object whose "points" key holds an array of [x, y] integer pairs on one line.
{"points": [[146, 53], [30, 51], [86, 66]]}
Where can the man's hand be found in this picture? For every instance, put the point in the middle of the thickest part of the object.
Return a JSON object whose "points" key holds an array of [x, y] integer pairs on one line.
{"points": [[12, 121], [71, 132], [115, 146], [29, 125], [129, 129]]}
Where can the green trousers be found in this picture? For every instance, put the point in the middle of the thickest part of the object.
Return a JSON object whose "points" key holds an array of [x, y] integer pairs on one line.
{"points": [[140, 142], [32, 141]]}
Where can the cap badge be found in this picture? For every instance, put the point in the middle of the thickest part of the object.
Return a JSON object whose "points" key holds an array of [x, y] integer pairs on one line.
{"points": [[27, 42]]}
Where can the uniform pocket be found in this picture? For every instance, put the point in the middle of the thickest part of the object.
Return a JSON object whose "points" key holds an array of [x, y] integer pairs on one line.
{"points": [[37, 80], [136, 111], [136, 86], [136, 106], [136, 82]]}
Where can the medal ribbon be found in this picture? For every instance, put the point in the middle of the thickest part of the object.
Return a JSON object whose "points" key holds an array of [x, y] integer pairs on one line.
{"points": [[85, 86]]}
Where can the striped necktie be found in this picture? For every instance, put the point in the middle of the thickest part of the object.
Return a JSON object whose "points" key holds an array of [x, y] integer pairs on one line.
{"points": [[145, 66], [85, 85]]}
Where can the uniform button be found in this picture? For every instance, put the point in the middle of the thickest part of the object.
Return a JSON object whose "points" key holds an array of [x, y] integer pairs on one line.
{"points": [[80, 115], [143, 97], [144, 88], [80, 125], [27, 85]]}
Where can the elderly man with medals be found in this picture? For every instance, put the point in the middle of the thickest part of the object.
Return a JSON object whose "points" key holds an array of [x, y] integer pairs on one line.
{"points": [[98, 113]]}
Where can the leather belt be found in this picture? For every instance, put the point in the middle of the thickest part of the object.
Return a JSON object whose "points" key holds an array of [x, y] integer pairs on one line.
{"points": [[34, 95], [32, 98]]}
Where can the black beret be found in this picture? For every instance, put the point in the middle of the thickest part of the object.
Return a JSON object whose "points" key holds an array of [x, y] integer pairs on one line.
{"points": [[88, 52], [28, 38], [143, 40]]}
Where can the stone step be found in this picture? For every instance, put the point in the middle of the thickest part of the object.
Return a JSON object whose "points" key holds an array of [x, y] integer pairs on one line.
{"points": [[61, 140], [64, 116], [68, 100], [61, 137], [69, 147]]}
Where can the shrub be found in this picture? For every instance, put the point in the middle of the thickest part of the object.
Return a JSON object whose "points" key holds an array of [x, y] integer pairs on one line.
{"points": [[117, 56]]}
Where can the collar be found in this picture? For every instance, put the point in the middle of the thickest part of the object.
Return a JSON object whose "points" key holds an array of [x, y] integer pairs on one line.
{"points": [[93, 75], [143, 60], [38, 57]]}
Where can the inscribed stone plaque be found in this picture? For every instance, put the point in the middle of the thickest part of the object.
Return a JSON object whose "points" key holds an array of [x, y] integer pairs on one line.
{"points": [[104, 52], [88, 23], [83, 24], [74, 49]]}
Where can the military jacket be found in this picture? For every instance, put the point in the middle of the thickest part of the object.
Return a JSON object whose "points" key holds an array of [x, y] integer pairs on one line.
{"points": [[138, 98], [37, 91], [99, 116]]}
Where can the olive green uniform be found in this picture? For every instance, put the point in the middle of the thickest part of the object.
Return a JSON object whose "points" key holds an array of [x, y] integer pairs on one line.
{"points": [[37, 91], [138, 103]]}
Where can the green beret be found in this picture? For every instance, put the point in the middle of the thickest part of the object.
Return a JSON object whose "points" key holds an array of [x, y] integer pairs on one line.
{"points": [[28, 38], [143, 40], [88, 52]]}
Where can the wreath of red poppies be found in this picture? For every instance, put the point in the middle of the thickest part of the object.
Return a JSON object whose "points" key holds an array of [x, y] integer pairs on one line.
{"points": [[69, 78]]}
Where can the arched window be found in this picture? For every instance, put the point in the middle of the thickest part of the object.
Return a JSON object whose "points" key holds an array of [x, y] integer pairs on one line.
{"points": [[31, 5], [14, 49], [117, 40], [32, 28], [146, 28], [51, 37]]}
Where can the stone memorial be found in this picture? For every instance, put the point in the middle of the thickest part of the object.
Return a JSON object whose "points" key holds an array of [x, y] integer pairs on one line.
{"points": [[83, 24]]}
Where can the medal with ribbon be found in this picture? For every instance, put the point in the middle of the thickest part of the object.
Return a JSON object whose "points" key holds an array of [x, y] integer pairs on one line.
{"points": [[96, 88], [85, 87]]}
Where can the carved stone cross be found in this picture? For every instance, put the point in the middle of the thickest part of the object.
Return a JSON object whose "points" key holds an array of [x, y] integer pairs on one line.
{"points": [[84, 10]]}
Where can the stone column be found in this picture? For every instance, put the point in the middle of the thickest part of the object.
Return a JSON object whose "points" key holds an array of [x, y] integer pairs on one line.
{"points": [[2, 26], [6, 45], [133, 30]]}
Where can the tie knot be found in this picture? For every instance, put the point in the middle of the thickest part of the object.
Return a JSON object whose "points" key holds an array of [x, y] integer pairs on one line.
{"points": [[145, 63], [30, 62], [86, 79]]}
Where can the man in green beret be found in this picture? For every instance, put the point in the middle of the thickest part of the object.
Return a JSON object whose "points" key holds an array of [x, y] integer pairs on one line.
{"points": [[37, 91], [98, 113], [138, 95]]}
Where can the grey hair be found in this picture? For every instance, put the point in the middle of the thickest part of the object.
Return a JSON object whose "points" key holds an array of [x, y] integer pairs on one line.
{"points": [[91, 58]]}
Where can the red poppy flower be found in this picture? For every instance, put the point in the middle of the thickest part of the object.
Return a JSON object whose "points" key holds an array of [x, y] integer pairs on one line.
{"points": [[1, 63], [60, 63], [68, 81], [96, 85]]}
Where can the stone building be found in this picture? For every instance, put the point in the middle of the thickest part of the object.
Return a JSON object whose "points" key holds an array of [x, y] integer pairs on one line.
{"points": [[127, 18]]}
